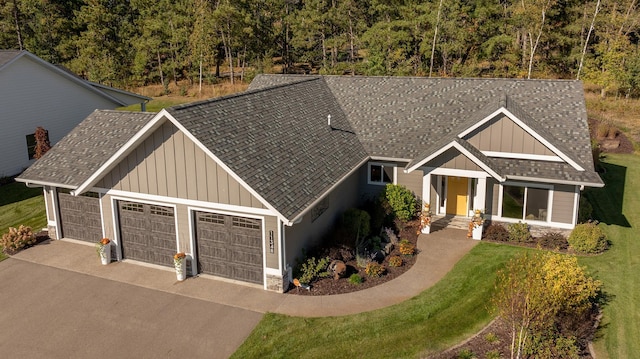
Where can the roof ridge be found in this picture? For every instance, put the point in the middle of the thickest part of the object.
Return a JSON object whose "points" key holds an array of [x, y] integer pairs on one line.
{"points": [[240, 94]]}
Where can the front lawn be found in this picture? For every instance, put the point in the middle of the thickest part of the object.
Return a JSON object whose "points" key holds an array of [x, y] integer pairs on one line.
{"points": [[456, 307], [438, 318], [21, 205]]}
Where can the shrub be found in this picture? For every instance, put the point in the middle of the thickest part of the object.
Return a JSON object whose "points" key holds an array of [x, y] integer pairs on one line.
{"points": [[17, 238], [493, 354], [355, 278], [401, 202], [362, 260], [391, 235], [374, 269], [375, 243], [314, 269], [491, 337], [496, 232], [395, 261], [407, 248], [519, 232], [466, 354], [553, 240], [588, 238]]}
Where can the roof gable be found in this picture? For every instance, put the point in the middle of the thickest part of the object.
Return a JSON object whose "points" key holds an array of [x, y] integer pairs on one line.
{"points": [[117, 96]]}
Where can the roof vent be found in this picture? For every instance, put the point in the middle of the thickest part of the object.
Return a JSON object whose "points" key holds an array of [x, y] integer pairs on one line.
{"points": [[329, 121]]}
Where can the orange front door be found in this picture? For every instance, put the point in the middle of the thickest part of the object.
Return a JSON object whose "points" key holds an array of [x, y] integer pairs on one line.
{"points": [[457, 188]]}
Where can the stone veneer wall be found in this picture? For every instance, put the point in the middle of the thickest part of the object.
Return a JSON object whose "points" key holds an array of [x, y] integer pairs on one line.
{"points": [[276, 283], [52, 232]]}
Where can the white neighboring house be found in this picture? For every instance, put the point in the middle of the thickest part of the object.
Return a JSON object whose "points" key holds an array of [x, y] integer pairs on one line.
{"points": [[33, 93]]}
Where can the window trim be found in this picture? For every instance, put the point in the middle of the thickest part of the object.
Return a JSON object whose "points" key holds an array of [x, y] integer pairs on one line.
{"points": [[526, 185], [382, 166]]}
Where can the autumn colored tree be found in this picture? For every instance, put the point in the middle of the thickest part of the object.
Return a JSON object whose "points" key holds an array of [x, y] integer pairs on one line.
{"points": [[536, 293], [42, 142]]}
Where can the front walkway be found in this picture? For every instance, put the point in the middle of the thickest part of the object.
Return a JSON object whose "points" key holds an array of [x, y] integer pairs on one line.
{"points": [[439, 252]]}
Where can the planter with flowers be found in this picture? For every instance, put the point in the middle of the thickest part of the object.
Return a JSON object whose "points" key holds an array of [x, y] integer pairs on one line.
{"points": [[180, 263], [104, 250], [475, 225], [425, 219]]}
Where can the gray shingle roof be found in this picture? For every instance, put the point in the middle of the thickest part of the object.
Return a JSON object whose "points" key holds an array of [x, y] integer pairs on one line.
{"points": [[278, 140], [407, 117], [275, 136], [86, 148]]}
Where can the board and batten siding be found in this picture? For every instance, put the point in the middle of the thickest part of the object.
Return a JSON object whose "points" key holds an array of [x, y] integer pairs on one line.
{"points": [[31, 96], [271, 227], [501, 134], [453, 159], [169, 164], [563, 203]]}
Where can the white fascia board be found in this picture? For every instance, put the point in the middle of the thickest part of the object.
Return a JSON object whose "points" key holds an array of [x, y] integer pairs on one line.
{"points": [[462, 150], [389, 159], [553, 181], [152, 125], [222, 164], [326, 193], [527, 129], [428, 158], [522, 156], [30, 183]]}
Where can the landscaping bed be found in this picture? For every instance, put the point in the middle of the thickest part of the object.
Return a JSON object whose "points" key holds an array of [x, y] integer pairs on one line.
{"points": [[331, 286]]}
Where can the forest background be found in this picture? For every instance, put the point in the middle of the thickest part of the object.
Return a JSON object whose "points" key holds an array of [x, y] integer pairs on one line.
{"points": [[133, 43]]}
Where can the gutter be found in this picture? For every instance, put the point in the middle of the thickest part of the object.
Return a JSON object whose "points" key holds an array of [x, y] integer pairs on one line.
{"points": [[34, 184], [573, 183]]}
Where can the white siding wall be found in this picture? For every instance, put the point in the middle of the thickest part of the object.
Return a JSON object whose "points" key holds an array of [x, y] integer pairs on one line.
{"points": [[31, 96]]}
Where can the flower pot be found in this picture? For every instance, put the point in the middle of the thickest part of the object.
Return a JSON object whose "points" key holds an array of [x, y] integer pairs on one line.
{"points": [[105, 254], [426, 229], [181, 269], [476, 233]]}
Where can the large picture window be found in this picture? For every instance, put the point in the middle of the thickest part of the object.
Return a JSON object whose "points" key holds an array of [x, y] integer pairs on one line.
{"points": [[380, 173], [525, 203]]}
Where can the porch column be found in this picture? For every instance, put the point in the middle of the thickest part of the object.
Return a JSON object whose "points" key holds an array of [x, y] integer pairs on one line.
{"points": [[426, 188], [481, 194]]}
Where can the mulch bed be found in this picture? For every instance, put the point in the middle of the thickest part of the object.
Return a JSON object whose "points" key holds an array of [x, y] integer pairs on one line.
{"points": [[330, 286]]}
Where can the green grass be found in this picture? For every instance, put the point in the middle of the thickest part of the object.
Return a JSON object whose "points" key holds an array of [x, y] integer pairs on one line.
{"points": [[617, 206], [455, 308], [21, 205]]}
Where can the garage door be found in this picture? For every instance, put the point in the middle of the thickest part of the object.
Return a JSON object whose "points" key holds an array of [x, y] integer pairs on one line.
{"points": [[229, 246], [80, 216], [147, 232]]}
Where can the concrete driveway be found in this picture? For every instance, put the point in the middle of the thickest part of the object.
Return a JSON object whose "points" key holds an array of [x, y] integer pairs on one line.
{"points": [[47, 312]]}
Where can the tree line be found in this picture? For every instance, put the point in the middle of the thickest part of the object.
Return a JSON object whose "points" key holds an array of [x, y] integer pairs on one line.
{"points": [[139, 42]]}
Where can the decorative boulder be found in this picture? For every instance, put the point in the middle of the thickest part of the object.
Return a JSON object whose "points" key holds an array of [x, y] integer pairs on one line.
{"points": [[338, 268], [377, 256], [388, 248]]}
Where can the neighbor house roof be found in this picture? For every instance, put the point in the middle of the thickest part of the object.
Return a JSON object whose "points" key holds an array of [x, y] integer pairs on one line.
{"points": [[120, 97]]}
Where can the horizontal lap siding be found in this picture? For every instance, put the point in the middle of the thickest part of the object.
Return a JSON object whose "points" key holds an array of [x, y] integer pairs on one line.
{"points": [[169, 164], [563, 203], [32, 96]]}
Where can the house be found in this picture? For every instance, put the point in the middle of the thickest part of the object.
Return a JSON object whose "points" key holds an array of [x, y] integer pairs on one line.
{"points": [[36, 93], [244, 182]]}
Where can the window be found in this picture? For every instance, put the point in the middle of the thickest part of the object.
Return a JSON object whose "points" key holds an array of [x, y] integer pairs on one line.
{"points": [[211, 218], [245, 222], [31, 144], [525, 203], [381, 173]]}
